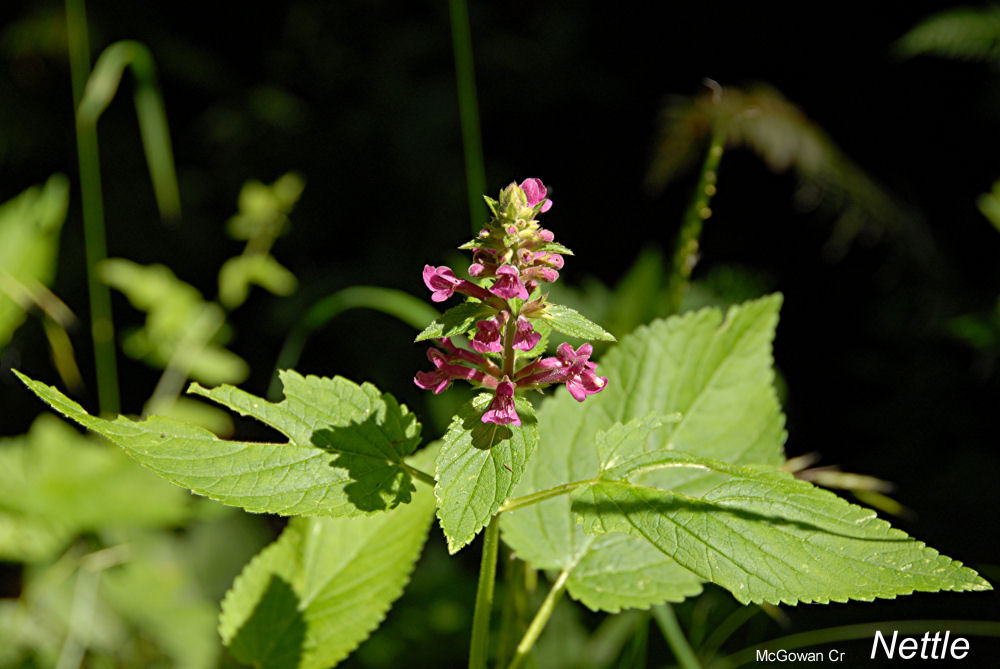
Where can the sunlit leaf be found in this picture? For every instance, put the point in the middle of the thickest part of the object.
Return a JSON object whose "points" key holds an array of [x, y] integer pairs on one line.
{"points": [[311, 597], [344, 456], [716, 374], [767, 536], [478, 467]]}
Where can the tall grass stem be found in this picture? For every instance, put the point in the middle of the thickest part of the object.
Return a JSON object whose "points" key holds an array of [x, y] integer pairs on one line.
{"points": [[468, 110], [95, 242]]}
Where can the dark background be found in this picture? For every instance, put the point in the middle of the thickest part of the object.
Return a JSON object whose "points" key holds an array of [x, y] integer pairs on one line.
{"points": [[359, 97]]}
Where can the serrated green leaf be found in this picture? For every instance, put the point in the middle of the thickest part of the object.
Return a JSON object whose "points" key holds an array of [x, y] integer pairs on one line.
{"points": [[478, 467], [717, 375], [344, 456], [457, 320], [573, 323], [315, 594], [769, 537]]}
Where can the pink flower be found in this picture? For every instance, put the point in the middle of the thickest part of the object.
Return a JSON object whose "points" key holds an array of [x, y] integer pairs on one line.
{"points": [[580, 377], [541, 273], [525, 337], [501, 410], [550, 259], [446, 372], [488, 336], [535, 191], [443, 284], [508, 283], [441, 280], [570, 367]]}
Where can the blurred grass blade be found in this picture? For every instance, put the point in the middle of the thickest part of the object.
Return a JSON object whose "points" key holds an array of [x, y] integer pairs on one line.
{"points": [[62, 354], [95, 243], [100, 91], [403, 306], [666, 619], [468, 110]]}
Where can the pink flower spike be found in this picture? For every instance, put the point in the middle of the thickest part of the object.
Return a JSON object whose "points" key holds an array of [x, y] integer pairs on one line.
{"points": [[525, 337], [501, 410], [509, 284], [487, 337], [535, 191], [441, 281]]}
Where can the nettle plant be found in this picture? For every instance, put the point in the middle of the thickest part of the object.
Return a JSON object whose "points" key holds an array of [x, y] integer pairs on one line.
{"points": [[632, 488]]}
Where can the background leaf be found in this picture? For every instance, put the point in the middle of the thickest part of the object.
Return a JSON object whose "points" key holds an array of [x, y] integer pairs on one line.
{"points": [[315, 594], [344, 457], [29, 243], [717, 374], [48, 479], [478, 468]]}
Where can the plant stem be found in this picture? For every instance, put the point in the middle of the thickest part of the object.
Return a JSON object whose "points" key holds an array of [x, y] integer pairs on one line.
{"points": [[542, 495], [480, 643], [698, 211], [514, 610], [541, 618], [101, 323], [468, 110], [672, 632], [508, 344]]}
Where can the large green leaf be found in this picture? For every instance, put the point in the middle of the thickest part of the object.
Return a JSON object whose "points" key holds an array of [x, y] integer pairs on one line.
{"points": [[315, 594], [478, 468], [767, 536], [29, 243], [717, 375], [55, 483], [344, 456]]}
